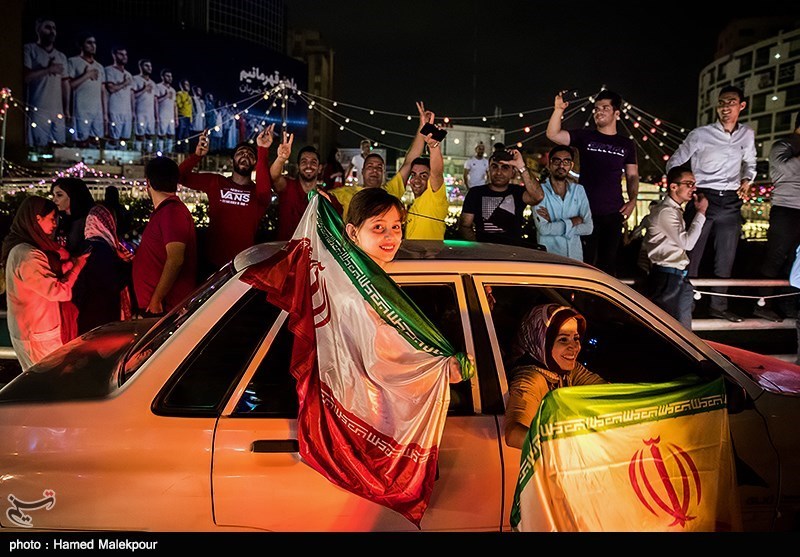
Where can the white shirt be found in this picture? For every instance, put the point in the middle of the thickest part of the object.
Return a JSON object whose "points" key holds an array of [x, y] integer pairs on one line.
{"points": [[720, 160], [358, 164], [166, 104], [119, 102], [44, 93], [667, 240], [477, 171], [144, 101], [87, 98]]}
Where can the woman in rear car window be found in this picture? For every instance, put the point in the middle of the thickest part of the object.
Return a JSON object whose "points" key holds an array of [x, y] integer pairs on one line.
{"points": [[545, 355], [375, 224]]}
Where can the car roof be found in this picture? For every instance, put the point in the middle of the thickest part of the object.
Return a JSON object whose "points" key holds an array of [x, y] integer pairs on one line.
{"points": [[447, 250]]}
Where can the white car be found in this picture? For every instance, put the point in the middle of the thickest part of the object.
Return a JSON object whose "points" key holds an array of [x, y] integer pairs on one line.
{"points": [[188, 423]]}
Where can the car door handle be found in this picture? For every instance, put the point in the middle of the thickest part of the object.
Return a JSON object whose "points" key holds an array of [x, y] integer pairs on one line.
{"points": [[276, 446]]}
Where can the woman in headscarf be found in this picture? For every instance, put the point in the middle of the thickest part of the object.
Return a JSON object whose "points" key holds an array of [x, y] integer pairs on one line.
{"points": [[545, 355], [35, 284], [101, 292]]}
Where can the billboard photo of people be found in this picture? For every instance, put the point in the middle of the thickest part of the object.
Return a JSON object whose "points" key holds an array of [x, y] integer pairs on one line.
{"points": [[102, 84]]}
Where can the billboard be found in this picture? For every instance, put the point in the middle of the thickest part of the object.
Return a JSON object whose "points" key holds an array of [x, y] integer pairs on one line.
{"points": [[140, 86]]}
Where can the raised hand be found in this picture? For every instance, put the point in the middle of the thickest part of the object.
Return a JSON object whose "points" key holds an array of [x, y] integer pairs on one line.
{"points": [[560, 103], [202, 144], [425, 116], [264, 139], [285, 148]]}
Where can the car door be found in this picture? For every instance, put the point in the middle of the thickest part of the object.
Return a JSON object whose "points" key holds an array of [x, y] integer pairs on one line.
{"points": [[259, 480], [629, 340]]}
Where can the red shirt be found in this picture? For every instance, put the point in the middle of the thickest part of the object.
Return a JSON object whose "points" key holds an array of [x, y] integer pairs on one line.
{"points": [[292, 202], [234, 211], [171, 221]]}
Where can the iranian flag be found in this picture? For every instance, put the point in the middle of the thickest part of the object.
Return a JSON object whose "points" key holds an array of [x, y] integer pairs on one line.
{"points": [[629, 458], [371, 369]]}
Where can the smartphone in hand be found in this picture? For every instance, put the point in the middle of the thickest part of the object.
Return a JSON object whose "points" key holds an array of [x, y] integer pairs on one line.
{"points": [[436, 133], [569, 95]]}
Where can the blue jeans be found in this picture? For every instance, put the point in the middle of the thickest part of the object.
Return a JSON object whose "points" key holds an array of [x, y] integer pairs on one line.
{"points": [[184, 130], [671, 292]]}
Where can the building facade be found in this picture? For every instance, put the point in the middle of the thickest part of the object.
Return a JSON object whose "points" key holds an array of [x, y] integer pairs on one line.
{"points": [[767, 70]]}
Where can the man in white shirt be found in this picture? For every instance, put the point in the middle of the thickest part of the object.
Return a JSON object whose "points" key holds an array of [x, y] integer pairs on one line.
{"points": [[47, 90], [119, 85], [667, 240], [475, 168], [723, 159], [357, 163], [144, 95], [167, 112], [86, 76]]}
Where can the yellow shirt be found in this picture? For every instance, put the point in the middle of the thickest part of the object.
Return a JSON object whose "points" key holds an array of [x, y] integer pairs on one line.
{"points": [[184, 103], [396, 186], [528, 387], [426, 215]]}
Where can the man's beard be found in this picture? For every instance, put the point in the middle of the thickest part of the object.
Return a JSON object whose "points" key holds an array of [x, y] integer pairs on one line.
{"points": [[246, 172]]}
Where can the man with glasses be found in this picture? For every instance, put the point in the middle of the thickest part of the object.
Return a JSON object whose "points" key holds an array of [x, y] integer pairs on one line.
{"points": [[493, 212], [605, 156], [563, 216], [667, 241], [723, 158]]}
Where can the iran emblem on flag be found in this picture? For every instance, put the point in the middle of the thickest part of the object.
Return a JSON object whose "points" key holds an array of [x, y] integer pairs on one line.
{"points": [[629, 458], [372, 371]]}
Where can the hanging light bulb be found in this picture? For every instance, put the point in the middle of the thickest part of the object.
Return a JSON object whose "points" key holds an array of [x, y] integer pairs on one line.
{"points": [[761, 302], [697, 295]]}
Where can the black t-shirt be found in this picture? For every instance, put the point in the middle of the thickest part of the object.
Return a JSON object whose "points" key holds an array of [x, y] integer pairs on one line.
{"points": [[498, 215], [602, 166]]}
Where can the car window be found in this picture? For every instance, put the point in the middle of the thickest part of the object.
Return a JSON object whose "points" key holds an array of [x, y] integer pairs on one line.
{"points": [[203, 382], [618, 345], [271, 391], [171, 322]]}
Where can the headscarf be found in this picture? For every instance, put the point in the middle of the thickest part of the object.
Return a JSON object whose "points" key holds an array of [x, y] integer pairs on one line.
{"points": [[26, 230], [538, 332], [100, 224]]}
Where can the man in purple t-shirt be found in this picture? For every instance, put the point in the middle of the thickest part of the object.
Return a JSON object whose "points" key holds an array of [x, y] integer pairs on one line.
{"points": [[605, 156]]}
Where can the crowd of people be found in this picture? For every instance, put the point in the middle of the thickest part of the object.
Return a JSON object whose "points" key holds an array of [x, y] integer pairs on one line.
{"points": [[578, 216], [581, 215], [77, 101]]}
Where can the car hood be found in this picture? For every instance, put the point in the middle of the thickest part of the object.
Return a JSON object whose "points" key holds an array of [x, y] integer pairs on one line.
{"points": [[771, 373], [83, 368]]}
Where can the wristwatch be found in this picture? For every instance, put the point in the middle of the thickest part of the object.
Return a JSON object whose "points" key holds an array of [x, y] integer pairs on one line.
{"points": [[522, 170]]}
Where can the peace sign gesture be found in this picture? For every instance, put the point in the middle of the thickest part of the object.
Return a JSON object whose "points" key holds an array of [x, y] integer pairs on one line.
{"points": [[264, 139], [285, 148]]}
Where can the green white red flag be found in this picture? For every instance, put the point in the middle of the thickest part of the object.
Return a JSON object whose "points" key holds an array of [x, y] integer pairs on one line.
{"points": [[629, 458], [371, 369]]}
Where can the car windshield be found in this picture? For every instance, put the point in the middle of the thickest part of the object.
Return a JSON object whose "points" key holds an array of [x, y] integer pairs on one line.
{"points": [[171, 322]]}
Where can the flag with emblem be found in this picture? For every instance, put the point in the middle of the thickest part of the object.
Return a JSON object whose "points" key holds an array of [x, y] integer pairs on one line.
{"points": [[372, 371], [629, 458]]}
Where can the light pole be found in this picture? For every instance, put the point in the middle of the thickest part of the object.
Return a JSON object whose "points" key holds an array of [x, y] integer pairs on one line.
{"points": [[4, 96]]}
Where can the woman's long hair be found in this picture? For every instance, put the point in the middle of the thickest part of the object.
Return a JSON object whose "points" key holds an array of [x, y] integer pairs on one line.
{"points": [[25, 228], [80, 198]]}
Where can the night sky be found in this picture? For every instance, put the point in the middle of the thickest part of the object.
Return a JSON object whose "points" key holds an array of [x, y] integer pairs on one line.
{"points": [[390, 54]]}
